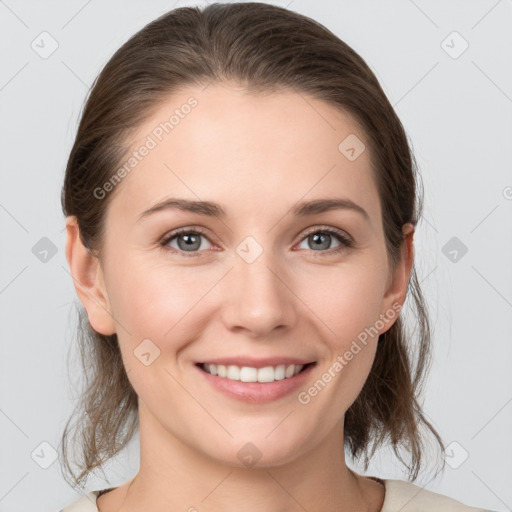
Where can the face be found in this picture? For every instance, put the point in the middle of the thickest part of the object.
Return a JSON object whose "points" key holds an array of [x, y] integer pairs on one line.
{"points": [[254, 279]]}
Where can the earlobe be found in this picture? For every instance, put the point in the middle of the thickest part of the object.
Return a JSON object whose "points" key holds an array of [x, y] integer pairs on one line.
{"points": [[394, 297], [88, 279]]}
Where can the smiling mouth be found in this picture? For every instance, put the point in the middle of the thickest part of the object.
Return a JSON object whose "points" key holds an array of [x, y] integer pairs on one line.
{"points": [[250, 374]]}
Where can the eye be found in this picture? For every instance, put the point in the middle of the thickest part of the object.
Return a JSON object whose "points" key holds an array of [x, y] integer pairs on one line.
{"points": [[320, 239], [187, 241]]}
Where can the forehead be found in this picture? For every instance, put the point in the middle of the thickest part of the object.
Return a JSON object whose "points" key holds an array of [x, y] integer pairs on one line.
{"points": [[250, 152]]}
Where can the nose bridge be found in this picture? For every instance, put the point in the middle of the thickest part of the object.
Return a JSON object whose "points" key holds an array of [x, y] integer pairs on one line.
{"points": [[258, 299]]}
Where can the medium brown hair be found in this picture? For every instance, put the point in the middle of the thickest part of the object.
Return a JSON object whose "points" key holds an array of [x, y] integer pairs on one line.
{"points": [[263, 48]]}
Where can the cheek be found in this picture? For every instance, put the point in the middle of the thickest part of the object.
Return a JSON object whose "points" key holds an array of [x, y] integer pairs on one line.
{"points": [[154, 305], [347, 299], [158, 301], [348, 302]]}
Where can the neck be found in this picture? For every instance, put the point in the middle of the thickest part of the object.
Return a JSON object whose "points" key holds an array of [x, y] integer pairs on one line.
{"points": [[175, 476]]}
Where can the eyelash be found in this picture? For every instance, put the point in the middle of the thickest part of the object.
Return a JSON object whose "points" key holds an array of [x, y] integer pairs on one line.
{"points": [[345, 241]]}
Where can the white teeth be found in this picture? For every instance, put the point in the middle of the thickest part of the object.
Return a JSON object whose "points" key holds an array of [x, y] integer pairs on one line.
{"points": [[279, 372], [298, 368], [233, 372], [249, 374], [266, 374]]}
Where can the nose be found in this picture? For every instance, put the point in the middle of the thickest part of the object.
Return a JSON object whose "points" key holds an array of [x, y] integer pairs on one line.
{"points": [[258, 297]]}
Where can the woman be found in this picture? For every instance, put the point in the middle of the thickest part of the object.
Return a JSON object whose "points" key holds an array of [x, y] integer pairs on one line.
{"points": [[241, 203]]}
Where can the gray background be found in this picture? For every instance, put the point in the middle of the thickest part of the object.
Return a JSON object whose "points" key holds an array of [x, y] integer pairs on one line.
{"points": [[457, 112]]}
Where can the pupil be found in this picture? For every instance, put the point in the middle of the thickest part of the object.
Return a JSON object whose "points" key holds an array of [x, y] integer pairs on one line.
{"points": [[317, 238], [191, 242]]}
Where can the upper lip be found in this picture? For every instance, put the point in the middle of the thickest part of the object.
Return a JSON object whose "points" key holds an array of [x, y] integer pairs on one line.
{"points": [[257, 363]]}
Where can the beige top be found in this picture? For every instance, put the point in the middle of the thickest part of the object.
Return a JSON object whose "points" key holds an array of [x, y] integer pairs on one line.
{"points": [[400, 496]]}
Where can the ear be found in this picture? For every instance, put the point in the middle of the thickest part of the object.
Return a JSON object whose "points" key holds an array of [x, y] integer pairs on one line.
{"points": [[396, 290], [88, 280]]}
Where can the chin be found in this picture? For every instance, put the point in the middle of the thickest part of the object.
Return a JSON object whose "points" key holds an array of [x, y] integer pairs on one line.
{"points": [[253, 451]]}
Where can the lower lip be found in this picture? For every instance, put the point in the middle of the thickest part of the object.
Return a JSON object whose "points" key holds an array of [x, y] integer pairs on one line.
{"points": [[256, 392]]}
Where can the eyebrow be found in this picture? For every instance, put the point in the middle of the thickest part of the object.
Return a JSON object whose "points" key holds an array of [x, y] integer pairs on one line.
{"points": [[212, 209]]}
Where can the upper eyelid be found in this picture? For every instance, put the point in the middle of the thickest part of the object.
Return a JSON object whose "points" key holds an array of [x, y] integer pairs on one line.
{"points": [[330, 229], [313, 229]]}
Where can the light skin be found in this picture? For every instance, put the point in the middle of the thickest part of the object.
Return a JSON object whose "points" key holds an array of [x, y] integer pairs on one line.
{"points": [[257, 156]]}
